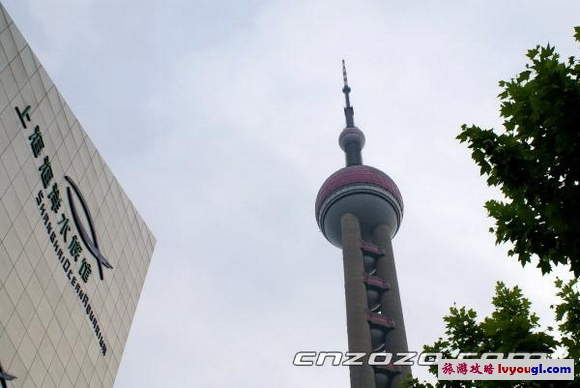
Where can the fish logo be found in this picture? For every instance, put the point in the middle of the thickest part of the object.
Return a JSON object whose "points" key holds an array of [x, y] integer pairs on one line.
{"points": [[89, 237]]}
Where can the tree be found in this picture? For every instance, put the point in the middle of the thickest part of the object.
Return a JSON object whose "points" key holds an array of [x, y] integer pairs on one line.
{"points": [[512, 327], [568, 318], [536, 161]]}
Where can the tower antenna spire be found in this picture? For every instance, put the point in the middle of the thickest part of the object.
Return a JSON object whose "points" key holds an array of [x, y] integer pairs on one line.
{"points": [[348, 109]]}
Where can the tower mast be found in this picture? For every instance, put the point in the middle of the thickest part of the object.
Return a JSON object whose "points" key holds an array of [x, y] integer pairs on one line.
{"points": [[348, 110]]}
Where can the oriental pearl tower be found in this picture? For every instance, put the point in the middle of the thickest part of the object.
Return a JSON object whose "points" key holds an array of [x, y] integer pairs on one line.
{"points": [[359, 210]]}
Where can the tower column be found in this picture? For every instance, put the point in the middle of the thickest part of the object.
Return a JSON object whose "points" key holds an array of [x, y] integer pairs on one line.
{"points": [[359, 339], [391, 301]]}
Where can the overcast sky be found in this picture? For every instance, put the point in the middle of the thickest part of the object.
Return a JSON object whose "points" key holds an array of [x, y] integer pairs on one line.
{"points": [[221, 118]]}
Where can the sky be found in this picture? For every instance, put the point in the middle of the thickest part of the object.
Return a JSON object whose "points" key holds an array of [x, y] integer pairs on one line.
{"points": [[220, 119]]}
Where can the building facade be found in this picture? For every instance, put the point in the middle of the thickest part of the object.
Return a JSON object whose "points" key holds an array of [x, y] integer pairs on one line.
{"points": [[359, 209], [74, 252]]}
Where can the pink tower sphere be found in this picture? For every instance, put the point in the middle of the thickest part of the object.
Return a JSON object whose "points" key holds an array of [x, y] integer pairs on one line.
{"points": [[364, 191]]}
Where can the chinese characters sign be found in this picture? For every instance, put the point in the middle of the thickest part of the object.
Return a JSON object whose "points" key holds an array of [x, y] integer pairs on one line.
{"points": [[71, 248]]}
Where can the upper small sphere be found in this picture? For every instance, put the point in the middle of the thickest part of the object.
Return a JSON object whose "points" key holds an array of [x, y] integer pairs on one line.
{"points": [[351, 134], [364, 191]]}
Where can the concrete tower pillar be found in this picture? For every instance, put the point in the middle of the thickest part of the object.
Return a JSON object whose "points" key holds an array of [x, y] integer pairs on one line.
{"points": [[396, 341], [359, 339]]}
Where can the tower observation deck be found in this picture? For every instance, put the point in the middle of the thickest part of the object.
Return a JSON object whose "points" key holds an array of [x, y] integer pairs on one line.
{"points": [[359, 209]]}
